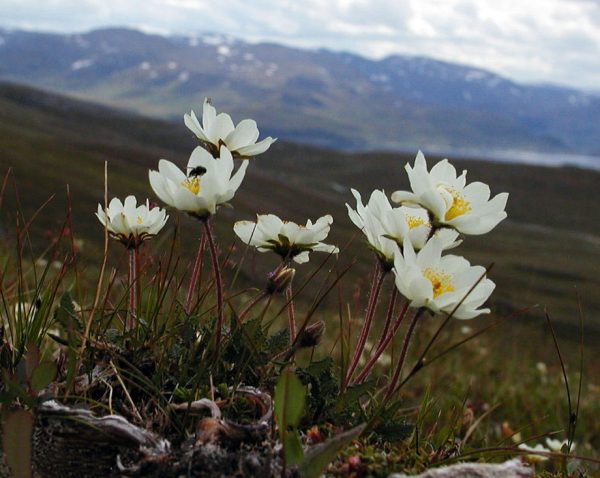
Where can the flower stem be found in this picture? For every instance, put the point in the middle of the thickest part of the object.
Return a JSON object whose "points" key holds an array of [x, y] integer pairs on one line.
{"points": [[250, 305], [218, 284], [370, 312], [289, 297], [384, 340], [133, 289], [195, 274], [388, 318], [411, 327]]}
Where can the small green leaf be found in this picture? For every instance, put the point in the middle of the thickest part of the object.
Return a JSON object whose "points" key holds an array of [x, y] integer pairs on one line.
{"points": [[319, 456], [32, 359], [290, 395], [43, 375], [16, 442], [354, 392], [321, 367], [292, 448], [394, 431], [278, 342], [65, 315]]}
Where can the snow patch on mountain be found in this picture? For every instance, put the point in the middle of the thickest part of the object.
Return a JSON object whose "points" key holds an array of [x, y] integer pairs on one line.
{"points": [[81, 64], [475, 75], [223, 50], [379, 78]]}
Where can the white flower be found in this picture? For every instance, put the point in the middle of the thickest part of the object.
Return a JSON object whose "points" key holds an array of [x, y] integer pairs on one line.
{"points": [[557, 445], [384, 225], [218, 129], [286, 238], [439, 283], [534, 458], [130, 223], [207, 184], [453, 203]]}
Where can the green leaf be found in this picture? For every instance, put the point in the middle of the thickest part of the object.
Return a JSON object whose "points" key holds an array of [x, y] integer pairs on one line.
{"points": [[292, 447], [43, 375], [290, 396], [394, 431], [16, 442], [278, 342], [66, 315], [319, 456], [320, 367], [353, 393], [32, 359]]}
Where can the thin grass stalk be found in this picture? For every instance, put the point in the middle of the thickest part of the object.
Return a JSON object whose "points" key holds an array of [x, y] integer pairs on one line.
{"points": [[571, 417], [580, 313], [195, 274], [312, 310], [370, 312], [289, 297], [70, 225], [411, 327], [218, 284], [88, 324], [306, 281]]}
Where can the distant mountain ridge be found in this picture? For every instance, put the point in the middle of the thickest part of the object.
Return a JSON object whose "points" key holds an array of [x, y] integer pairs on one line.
{"points": [[321, 97]]}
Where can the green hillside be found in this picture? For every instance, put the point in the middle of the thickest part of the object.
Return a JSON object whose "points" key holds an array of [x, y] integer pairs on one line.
{"points": [[545, 253]]}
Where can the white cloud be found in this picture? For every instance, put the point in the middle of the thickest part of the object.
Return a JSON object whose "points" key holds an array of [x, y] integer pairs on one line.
{"points": [[535, 40]]}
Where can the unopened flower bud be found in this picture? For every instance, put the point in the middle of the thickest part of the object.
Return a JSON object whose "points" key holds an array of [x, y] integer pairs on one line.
{"points": [[280, 279], [312, 334]]}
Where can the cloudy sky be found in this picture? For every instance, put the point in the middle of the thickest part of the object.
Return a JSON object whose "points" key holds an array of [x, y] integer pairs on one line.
{"points": [[550, 41]]}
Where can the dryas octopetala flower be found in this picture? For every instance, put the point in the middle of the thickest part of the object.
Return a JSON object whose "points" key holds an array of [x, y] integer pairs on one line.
{"points": [[218, 129], [537, 455], [384, 225], [207, 184], [129, 223], [439, 283], [451, 202], [557, 445], [286, 238]]}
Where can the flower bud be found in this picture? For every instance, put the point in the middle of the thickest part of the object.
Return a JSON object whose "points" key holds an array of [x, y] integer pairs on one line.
{"points": [[280, 279], [312, 334]]}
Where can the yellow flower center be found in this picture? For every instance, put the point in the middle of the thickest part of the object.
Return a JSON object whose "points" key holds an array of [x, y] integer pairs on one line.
{"points": [[192, 184], [459, 205], [139, 219], [441, 282], [415, 221]]}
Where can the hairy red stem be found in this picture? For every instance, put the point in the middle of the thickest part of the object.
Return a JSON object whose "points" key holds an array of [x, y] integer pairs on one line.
{"points": [[289, 297], [218, 284], [250, 305], [381, 346], [411, 327], [370, 312], [133, 289], [195, 274]]}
